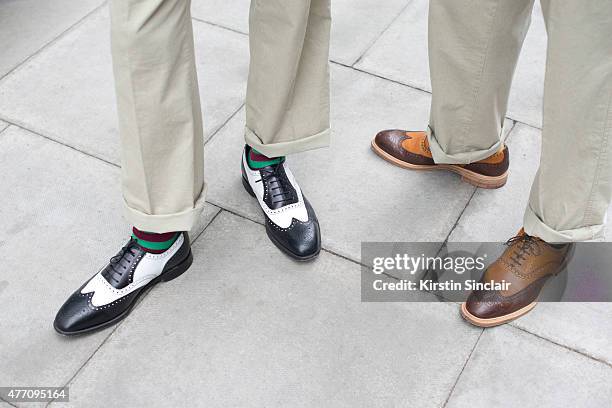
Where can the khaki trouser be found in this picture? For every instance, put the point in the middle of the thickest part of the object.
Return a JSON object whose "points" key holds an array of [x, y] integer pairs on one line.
{"points": [[474, 46], [160, 122]]}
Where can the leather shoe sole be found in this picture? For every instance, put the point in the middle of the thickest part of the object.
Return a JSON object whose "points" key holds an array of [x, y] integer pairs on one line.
{"points": [[495, 321]]}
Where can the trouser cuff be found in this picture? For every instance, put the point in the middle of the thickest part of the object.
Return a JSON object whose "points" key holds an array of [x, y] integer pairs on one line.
{"points": [[440, 157], [284, 148], [160, 223], [536, 227]]}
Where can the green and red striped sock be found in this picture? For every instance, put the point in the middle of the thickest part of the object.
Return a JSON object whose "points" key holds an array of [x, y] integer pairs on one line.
{"points": [[257, 160], [152, 242]]}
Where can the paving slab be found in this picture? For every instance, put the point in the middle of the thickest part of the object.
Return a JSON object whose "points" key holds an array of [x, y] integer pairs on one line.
{"points": [[62, 221], [247, 326], [355, 24], [27, 25], [585, 327], [401, 54], [511, 368], [230, 14], [357, 196], [66, 92]]}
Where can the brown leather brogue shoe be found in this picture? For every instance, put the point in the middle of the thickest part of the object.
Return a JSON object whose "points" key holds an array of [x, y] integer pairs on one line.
{"points": [[521, 271], [410, 150]]}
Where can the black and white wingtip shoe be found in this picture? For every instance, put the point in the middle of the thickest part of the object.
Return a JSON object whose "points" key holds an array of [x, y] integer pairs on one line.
{"points": [[111, 293], [291, 223]]}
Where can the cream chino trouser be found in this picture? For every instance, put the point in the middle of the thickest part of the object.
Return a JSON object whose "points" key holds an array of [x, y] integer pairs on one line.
{"points": [[160, 124], [473, 49]]}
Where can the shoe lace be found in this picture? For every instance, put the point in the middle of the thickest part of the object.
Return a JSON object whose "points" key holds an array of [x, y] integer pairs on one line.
{"points": [[524, 245], [116, 268], [280, 193]]}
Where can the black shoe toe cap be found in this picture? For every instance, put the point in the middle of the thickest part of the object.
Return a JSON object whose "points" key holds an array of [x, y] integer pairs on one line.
{"points": [[302, 240], [75, 314]]}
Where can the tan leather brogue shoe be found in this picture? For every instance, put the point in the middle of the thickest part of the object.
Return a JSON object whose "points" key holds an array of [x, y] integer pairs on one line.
{"points": [[410, 150], [522, 269]]}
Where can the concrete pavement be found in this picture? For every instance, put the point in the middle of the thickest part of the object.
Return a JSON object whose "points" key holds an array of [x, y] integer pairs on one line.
{"points": [[246, 326]]}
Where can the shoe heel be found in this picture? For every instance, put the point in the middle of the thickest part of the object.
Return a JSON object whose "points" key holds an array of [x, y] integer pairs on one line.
{"points": [[247, 187], [178, 270], [488, 183]]}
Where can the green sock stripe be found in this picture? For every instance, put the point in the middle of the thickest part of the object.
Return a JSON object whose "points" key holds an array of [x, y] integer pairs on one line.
{"points": [[157, 246], [260, 164]]}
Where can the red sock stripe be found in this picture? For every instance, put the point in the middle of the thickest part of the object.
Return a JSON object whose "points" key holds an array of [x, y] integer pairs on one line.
{"points": [[152, 237], [260, 157]]}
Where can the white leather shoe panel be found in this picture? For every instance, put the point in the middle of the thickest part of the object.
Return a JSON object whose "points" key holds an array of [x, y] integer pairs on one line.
{"points": [[149, 267], [282, 217]]}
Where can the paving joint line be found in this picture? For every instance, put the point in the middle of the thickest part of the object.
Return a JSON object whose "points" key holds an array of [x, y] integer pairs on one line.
{"points": [[214, 217], [509, 133], [332, 252], [12, 122], [452, 229], [414, 87], [51, 139], [218, 25], [458, 219], [11, 404], [233, 212], [371, 45], [395, 81], [78, 371], [229, 118], [467, 360], [4, 127], [52, 41], [568, 348]]}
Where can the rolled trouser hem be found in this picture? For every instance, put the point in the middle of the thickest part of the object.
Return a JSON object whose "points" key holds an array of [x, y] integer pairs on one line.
{"points": [[284, 148], [160, 223], [440, 157], [534, 226]]}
